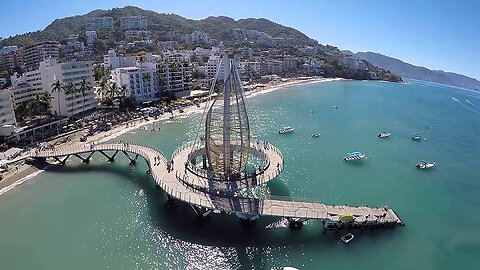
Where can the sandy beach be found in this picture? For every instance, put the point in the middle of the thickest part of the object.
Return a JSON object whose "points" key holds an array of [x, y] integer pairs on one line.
{"points": [[26, 172]]}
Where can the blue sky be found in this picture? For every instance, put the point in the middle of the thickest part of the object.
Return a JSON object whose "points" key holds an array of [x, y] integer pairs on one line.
{"points": [[437, 34]]}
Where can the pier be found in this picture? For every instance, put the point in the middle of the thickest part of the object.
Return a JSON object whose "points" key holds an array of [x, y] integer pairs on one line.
{"points": [[204, 202]]}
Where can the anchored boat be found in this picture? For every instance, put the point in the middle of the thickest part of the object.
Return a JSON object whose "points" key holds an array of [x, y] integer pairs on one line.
{"points": [[316, 135], [286, 130], [347, 238], [384, 134], [354, 156], [425, 165], [416, 137]]}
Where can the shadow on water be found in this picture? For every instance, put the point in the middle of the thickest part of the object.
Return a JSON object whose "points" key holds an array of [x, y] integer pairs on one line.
{"points": [[220, 230]]}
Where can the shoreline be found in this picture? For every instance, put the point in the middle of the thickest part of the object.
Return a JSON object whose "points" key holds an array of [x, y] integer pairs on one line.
{"points": [[12, 181]]}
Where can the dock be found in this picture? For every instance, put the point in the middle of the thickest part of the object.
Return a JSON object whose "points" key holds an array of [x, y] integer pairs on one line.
{"points": [[170, 175]]}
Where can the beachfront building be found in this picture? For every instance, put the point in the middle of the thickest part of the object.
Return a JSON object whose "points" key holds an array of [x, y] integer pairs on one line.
{"points": [[70, 72], [175, 77], [98, 23], [34, 54], [7, 116], [248, 69], [23, 91], [350, 62], [133, 23], [212, 65], [25, 87], [289, 64], [141, 81]]}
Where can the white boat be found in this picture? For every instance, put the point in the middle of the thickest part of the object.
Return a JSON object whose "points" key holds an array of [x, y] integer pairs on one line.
{"points": [[347, 238], [286, 130], [316, 135], [425, 165], [354, 156], [384, 134], [416, 137]]}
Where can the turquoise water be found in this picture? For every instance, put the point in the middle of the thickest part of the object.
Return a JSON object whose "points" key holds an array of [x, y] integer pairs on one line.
{"points": [[111, 216]]}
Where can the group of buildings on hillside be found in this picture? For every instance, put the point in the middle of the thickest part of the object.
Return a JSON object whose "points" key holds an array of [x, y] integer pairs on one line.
{"points": [[145, 76], [41, 71]]}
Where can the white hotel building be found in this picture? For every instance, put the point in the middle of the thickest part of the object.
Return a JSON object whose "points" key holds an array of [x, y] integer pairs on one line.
{"points": [[141, 82], [72, 72], [7, 116]]}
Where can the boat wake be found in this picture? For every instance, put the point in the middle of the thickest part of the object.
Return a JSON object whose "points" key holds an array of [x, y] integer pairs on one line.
{"points": [[461, 103], [468, 101], [282, 223]]}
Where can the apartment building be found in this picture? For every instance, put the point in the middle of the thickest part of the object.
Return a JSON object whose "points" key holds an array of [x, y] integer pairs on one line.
{"points": [[98, 23], [141, 81], [211, 67], [70, 72], [133, 23], [34, 54], [10, 59], [175, 77], [7, 116]]}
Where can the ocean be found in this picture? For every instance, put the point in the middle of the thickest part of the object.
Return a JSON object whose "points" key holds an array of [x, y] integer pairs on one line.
{"points": [[111, 216]]}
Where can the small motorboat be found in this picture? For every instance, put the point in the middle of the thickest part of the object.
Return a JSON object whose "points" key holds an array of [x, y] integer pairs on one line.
{"points": [[354, 156], [384, 134], [416, 137], [311, 111], [286, 130], [335, 107], [425, 165], [347, 238], [316, 135]]}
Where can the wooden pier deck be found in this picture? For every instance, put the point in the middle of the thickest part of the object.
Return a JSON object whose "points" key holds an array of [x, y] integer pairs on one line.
{"points": [[170, 180]]}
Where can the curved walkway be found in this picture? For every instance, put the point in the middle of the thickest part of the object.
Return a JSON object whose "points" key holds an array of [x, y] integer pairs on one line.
{"points": [[170, 182], [197, 177]]}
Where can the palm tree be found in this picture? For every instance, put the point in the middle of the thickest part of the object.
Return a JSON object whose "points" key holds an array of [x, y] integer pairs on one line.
{"points": [[84, 87], [123, 91], [31, 108], [141, 60], [42, 102], [70, 89], [58, 87], [113, 91], [103, 87]]}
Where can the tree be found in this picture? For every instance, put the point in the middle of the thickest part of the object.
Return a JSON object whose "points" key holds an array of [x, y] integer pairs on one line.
{"points": [[84, 87], [99, 47], [103, 87], [123, 91], [113, 91], [42, 103], [70, 89], [141, 60], [58, 87]]}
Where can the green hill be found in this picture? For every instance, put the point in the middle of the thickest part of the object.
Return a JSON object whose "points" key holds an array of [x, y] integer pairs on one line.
{"points": [[159, 24]]}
